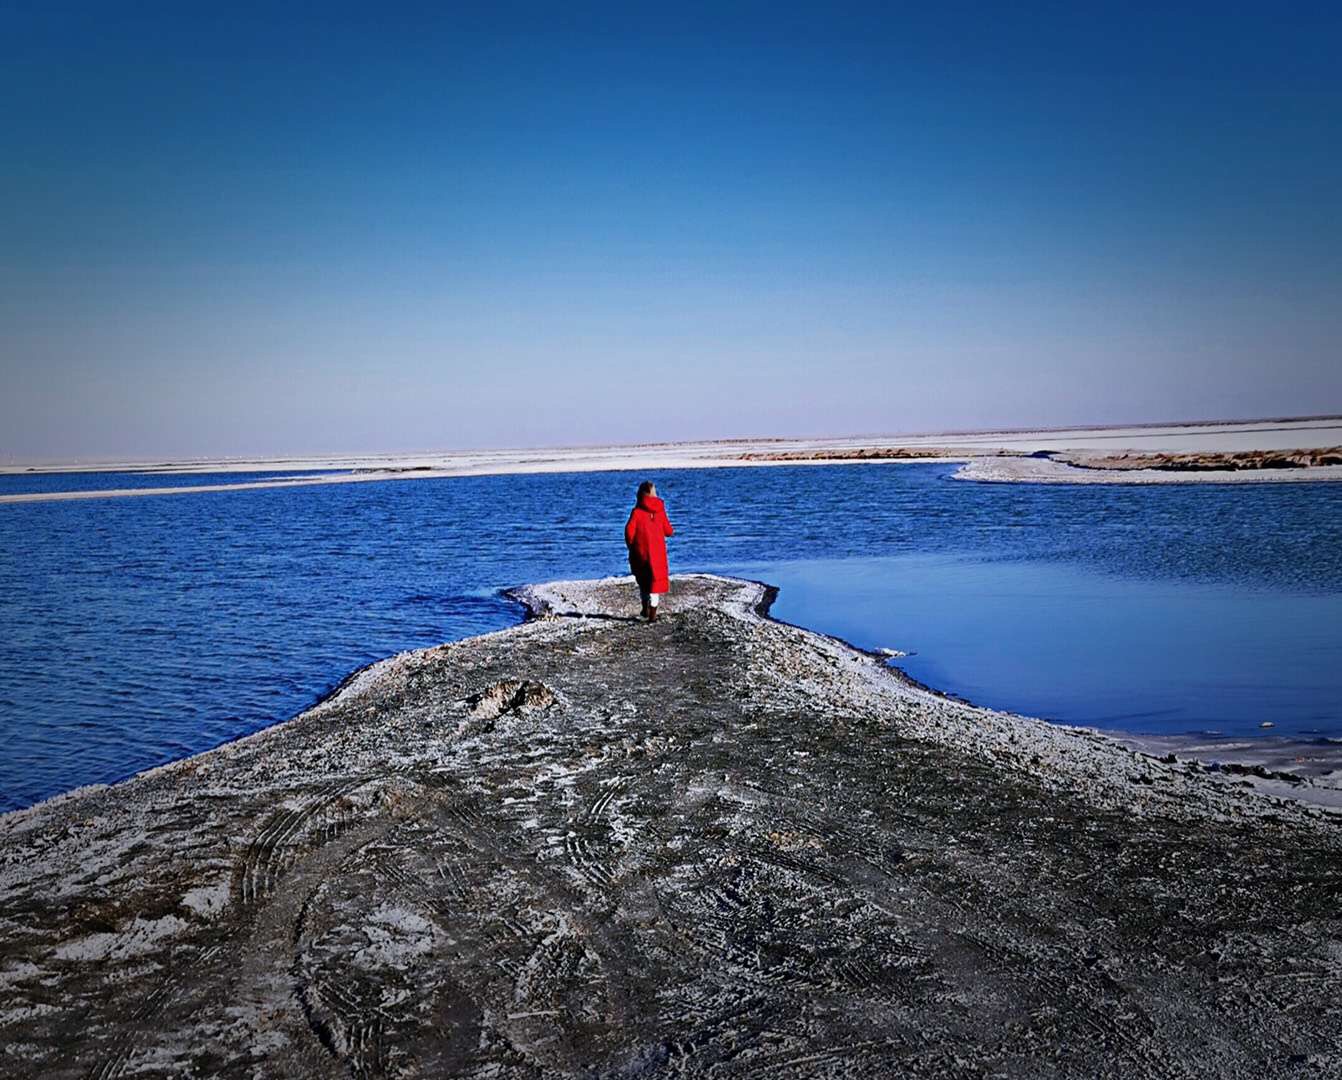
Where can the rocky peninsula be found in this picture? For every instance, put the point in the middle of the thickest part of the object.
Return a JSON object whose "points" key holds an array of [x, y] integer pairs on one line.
{"points": [[712, 845]]}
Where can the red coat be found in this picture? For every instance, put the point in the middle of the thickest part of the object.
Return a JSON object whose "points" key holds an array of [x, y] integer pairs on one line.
{"points": [[645, 534]]}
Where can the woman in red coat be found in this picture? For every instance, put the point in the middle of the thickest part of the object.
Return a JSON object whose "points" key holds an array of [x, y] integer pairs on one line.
{"points": [[645, 535]]}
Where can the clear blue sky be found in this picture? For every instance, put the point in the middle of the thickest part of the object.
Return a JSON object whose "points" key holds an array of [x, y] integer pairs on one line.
{"points": [[397, 227]]}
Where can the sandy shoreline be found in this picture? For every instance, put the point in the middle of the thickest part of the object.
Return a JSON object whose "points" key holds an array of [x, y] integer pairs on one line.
{"points": [[571, 844], [982, 451]]}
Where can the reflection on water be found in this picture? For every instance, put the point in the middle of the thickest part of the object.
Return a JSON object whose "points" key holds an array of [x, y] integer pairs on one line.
{"points": [[139, 630]]}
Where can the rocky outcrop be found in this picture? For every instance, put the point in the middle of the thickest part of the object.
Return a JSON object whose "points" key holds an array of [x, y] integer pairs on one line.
{"points": [[711, 845]]}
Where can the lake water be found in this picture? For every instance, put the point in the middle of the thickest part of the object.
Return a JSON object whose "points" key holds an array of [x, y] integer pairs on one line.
{"points": [[44, 482], [136, 631]]}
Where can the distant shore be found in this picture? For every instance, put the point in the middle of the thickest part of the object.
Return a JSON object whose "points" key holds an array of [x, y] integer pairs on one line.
{"points": [[991, 456]]}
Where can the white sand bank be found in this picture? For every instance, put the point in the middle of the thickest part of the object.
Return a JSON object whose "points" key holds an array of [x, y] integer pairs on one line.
{"points": [[1021, 470]]}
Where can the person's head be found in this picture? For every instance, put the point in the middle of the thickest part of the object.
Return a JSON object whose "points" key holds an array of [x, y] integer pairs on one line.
{"points": [[647, 488]]}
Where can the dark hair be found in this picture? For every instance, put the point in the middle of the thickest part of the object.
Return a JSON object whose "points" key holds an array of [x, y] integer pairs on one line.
{"points": [[645, 487]]}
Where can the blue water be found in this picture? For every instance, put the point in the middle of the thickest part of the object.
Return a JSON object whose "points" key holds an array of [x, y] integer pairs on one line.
{"points": [[44, 482], [136, 631], [1060, 641]]}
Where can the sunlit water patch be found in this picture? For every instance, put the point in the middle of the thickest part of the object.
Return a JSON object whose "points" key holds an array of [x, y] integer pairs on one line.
{"points": [[1062, 641]]}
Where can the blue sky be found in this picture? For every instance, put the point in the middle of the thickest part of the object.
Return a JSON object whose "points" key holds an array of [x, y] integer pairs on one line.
{"points": [[447, 226]]}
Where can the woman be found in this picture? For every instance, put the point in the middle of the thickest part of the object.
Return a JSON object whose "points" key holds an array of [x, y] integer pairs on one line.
{"points": [[645, 535]]}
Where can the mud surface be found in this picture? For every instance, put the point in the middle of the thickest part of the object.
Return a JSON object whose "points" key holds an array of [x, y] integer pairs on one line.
{"points": [[714, 845]]}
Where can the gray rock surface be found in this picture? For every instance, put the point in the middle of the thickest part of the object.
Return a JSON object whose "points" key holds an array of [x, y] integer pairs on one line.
{"points": [[713, 845]]}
